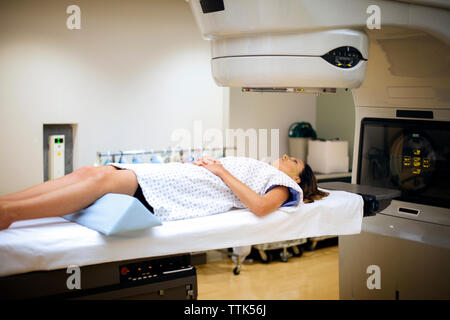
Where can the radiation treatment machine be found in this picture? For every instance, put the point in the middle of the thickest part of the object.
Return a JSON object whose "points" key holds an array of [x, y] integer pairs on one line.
{"points": [[395, 57], [395, 216]]}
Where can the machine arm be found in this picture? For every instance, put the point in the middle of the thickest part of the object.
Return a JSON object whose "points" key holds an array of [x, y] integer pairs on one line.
{"points": [[375, 199]]}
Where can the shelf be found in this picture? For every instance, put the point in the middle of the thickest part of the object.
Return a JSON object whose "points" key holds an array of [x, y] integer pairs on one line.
{"points": [[330, 176]]}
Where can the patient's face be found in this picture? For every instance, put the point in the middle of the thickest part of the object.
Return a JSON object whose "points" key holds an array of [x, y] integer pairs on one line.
{"points": [[290, 165]]}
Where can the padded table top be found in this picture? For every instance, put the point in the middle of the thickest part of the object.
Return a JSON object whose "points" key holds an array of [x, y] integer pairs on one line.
{"points": [[55, 243]]}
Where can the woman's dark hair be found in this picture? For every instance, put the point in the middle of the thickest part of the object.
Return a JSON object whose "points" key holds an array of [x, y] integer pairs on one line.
{"points": [[308, 183]]}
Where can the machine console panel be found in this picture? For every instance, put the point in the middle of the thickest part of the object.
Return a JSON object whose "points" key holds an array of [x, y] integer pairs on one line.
{"points": [[156, 269]]}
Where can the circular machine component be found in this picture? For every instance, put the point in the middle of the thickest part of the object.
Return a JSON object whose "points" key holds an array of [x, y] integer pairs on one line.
{"points": [[320, 59], [412, 161], [284, 71], [344, 57]]}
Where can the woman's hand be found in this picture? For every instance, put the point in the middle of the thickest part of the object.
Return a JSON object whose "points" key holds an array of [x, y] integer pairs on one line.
{"points": [[211, 164], [259, 205], [204, 160], [216, 168]]}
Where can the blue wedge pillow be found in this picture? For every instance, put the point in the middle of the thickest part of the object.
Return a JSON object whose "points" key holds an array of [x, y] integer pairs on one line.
{"points": [[115, 213]]}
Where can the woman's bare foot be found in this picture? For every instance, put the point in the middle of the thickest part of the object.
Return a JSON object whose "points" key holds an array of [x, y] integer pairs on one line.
{"points": [[5, 218]]}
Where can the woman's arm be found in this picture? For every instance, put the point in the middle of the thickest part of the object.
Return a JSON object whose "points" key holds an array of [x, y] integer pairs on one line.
{"points": [[259, 205]]}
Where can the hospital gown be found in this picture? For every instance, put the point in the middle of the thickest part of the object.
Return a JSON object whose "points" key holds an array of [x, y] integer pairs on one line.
{"points": [[184, 190]]}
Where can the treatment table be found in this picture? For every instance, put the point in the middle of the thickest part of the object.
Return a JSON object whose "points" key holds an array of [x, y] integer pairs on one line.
{"points": [[55, 258]]}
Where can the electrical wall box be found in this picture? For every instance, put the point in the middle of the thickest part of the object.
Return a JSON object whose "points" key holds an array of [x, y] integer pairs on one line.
{"points": [[56, 156]]}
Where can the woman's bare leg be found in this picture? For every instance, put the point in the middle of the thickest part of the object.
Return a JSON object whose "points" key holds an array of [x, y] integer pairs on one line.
{"points": [[51, 185], [70, 198]]}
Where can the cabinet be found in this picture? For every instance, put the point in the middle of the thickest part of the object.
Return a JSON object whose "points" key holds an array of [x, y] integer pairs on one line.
{"points": [[407, 269]]}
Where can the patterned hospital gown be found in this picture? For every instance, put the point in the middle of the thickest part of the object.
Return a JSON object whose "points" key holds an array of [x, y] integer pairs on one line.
{"points": [[184, 190]]}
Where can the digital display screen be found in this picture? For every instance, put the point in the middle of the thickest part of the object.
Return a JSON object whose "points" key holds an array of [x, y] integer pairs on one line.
{"points": [[59, 140], [412, 156]]}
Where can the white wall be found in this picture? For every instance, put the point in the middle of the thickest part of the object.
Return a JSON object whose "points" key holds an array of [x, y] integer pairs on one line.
{"points": [[137, 70], [270, 111], [336, 118]]}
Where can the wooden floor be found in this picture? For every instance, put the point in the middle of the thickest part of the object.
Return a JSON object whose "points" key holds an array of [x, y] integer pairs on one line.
{"points": [[314, 275]]}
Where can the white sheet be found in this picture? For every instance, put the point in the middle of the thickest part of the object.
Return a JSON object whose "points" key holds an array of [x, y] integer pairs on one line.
{"points": [[54, 243]]}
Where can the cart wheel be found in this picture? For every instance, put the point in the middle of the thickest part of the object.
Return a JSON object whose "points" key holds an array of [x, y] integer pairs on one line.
{"points": [[237, 270], [285, 255], [265, 256], [297, 251], [311, 245]]}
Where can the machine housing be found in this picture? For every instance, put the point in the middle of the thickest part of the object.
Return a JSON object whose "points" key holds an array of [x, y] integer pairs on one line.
{"points": [[402, 74]]}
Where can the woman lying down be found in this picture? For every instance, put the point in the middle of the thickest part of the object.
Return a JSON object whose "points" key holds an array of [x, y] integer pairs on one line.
{"points": [[172, 191]]}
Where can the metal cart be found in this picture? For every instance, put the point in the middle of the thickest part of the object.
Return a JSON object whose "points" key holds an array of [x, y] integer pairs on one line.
{"points": [[315, 240], [265, 256]]}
